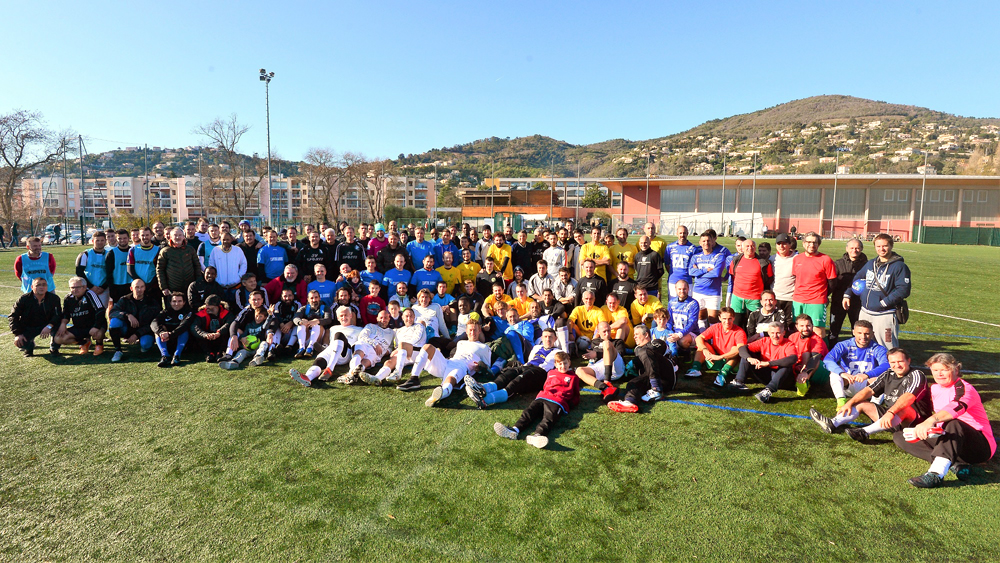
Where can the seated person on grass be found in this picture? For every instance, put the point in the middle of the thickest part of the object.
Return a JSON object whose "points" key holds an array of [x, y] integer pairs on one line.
{"points": [[372, 344], [410, 338], [35, 315], [172, 327], [247, 334], [496, 296], [84, 308], [854, 361], [603, 345], [768, 313], [448, 306], [469, 355], [683, 323], [584, 319], [553, 308], [211, 327], [719, 347], [810, 349], [657, 373], [523, 379], [769, 360], [618, 317], [310, 321], [130, 318], [560, 393], [281, 333], [906, 401], [343, 337]]}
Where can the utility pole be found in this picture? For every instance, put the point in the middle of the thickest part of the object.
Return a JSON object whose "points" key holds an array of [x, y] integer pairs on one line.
{"points": [[145, 171], [923, 187], [552, 176], [66, 190], [753, 194], [725, 153], [646, 218], [266, 77], [493, 187], [83, 200]]}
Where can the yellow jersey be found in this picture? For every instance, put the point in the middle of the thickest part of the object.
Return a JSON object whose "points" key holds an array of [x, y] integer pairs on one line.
{"points": [[521, 305], [659, 245], [586, 320], [452, 276], [639, 310], [499, 254], [614, 316], [624, 253], [489, 301], [593, 251], [468, 271]]}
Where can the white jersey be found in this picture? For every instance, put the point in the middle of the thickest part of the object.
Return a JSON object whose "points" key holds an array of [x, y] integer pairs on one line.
{"points": [[374, 335], [433, 318], [350, 332], [542, 357], [469, 351], [555, 257], [414, 335], [784, 279]]}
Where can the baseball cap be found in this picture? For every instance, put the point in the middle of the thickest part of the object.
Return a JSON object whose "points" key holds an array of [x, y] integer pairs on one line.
{"points": [[783, 237], [213, 301], [379, 227]]}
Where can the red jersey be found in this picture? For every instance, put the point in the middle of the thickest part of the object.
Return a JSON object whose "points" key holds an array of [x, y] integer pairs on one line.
{"points": [[814, 344], [748, 280], [811, 276], [769, 351], [562, 389], [723, 342]]}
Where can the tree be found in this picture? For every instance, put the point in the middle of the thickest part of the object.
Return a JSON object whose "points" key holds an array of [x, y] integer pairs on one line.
{"points": [[373, 179], [326, 172], [25, 144], [594, 197], [540, 186], [226, 189]]}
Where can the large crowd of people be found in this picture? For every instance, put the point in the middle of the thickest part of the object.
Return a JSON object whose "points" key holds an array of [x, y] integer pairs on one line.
{"points": [[504, 313]]}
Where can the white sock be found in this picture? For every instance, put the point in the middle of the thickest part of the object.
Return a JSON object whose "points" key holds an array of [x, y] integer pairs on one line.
{"points": [[229, 349], [313, 372], [837, 385], [314, 336], [335, 349], [383, 373], [292, 340], [876, 427], [302, 333], [702, 325], [264, 347], [446, 390], [400, 362], [418, 363], [840, 420], [355, 362], [562, 334], [940, 465]]}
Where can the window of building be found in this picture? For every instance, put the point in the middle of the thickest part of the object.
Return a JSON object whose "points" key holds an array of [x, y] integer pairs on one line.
{"points": [[969, 196], [949, 196], [126, 183], [935, 196], [902, 195], [983, 197], [889, 195]]}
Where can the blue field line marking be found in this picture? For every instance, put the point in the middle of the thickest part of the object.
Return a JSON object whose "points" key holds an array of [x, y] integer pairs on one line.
{"points": [[950, 335], [735, 409]]}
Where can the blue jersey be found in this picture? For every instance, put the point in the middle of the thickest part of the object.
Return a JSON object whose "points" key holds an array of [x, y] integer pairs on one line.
{"points": [[661, 333], [205, 250], [678, 259], [36, 268], [440, 248], [368, 277], [394, 276], [426, 279], [119, 259], [846, 357], [683, 316], [274, 259], [94, 268], [143, 260], [445, 301], [327, 291], [417, 250], [542, 357], [708, 270]]}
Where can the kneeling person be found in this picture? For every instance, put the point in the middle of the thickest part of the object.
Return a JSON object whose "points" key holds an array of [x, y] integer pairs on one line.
{"points": [[130, 318], [84, 308]]}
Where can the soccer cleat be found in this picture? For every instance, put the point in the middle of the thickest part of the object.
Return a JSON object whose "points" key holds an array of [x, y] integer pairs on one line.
{"points": [[356, 373], [392, 379], [176, 361], [764, 396], [300, 354], [841, 401], [608, 392], [801, 388], [326, 374], [737, 385], [823, 421], [54, 350], [164, 362], [537, 440], [720, 380], [623, 406], [345, 379], [85, 348], [505, 431], [436, 395], [98, 350], [367, 379], [309, 352], [651, 396], [272, 354], [211, 359], [927, 481], [226, 358], [257, 361], [411, 384], [28, 352], [857, 434], [297, 376], [475, 391], [693, 373], [962, 471], [117, 357]]}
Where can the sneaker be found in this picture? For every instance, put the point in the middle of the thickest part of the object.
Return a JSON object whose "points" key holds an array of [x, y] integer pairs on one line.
{"points": [[693, 373], [801, 388], [98, 350], [356, 373], [608, 392], [257, 361], [858, 434], [927, 481], [823, 421], [28, 352], [298, 376], [537, 440], [368, 379], [230, 365], [176, 361], [300, 354], [272, 354], [392, 379], [326, 374], [309, 352], [720, 380], [54, 351], [623, 406], [164, 362], [505, 431], [475, 391], [841, 401], [411, 384], [764, 396], [737, 385], [651, 396], [226, 358], [436, 395], [117, 357], [345, 379], [962, 471], [85, 348]]}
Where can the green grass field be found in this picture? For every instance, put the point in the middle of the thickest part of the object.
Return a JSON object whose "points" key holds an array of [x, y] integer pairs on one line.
{"points": [[130, 462]]}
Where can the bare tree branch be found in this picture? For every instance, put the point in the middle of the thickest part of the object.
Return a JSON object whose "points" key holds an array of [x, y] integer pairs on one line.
{"points": [[25, 144]]}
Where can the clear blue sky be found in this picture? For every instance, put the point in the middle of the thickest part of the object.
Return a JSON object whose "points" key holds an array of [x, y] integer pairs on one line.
{"points": [[384, 78]]}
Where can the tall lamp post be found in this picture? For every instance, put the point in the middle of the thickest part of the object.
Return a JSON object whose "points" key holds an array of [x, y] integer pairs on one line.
{"points": [[266, 77], [923, 188], [833, 207]]}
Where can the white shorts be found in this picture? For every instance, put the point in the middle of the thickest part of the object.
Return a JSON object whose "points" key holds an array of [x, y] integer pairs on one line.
{"points": [[368, 352], [440, 366], [707, 301], [617, 368]]}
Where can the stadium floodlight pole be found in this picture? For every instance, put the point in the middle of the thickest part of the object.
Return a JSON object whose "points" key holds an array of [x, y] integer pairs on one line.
{"points": [[83, 199], [923, 187], [646, 218], [723, 206], [753, 194], [552, 181], [266, 77], [493, 186], [145, 172]]}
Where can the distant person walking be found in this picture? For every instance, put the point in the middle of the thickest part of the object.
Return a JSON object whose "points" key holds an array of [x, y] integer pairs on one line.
{"points": [[2, 243]]}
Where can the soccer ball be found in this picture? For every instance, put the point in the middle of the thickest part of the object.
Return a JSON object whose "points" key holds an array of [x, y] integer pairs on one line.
{"points": [[253, 342], [858, 287]]}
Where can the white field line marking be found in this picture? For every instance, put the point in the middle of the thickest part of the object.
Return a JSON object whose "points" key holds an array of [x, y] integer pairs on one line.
{"points": [[956, 318]]}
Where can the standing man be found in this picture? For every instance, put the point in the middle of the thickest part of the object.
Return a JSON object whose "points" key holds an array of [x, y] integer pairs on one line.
{"points": [[117, 266], [446, 244], [847, 267], [230, 264], [176, 266], [90, 266], [596, 251], [750, 275], [418, 247], [707, 269], [141, 265], [784, 279], [271, 259], [590, 281], [386, 258], [554, 255], [655, 242], [886, 286], [623, 252], [624, 286], [678, 259], [159, 234], [521, 254], [814, 274], [351, 251], [648, 267], [35, 264], [205, 248]]}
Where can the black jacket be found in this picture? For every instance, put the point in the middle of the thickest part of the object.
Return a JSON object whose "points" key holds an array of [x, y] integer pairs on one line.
{"points": [[846, 270], [174, 322], [385, 259], [199, 290], [29, 313], [128, 305]]}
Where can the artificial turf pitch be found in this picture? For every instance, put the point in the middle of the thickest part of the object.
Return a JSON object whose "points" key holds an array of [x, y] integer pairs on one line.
{"points": [[131, 462]]}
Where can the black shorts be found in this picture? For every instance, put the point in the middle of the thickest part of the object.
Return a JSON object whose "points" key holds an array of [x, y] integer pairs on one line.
{"points": [[80, 333]]}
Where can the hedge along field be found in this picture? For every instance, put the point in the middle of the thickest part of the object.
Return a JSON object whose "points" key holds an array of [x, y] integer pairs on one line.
{"points": [[127, 461]]}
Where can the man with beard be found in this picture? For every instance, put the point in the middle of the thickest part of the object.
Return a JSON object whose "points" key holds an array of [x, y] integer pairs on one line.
{"points": [[847, 267], [385, 259], [230, 264], [648, 267]]}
